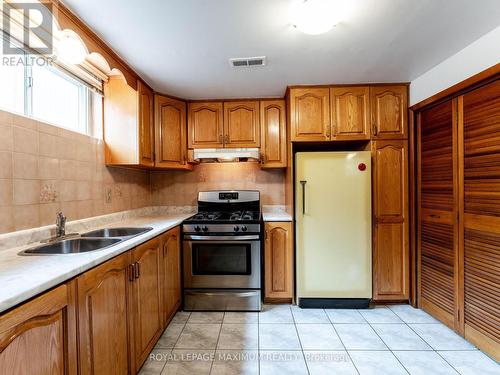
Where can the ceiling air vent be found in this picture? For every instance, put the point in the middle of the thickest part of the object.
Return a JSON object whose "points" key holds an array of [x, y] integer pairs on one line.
{"points": [[238, 62]]}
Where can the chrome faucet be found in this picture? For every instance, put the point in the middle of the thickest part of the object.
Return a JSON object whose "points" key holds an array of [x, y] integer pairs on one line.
{"points": [[60, 225]]}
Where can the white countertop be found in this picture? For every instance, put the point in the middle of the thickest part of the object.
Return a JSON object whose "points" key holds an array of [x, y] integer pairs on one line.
{"points": [[276, 216], [23, 277]]}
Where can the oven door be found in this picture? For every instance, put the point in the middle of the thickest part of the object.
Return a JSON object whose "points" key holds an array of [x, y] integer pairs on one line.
{"points": [[222, 261]]}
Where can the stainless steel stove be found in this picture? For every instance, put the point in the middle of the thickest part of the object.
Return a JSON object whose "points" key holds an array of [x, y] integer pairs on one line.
{"points": [[222, 252]]}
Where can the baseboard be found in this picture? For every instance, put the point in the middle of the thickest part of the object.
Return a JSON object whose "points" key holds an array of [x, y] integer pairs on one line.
{"points": [[334, 303]]}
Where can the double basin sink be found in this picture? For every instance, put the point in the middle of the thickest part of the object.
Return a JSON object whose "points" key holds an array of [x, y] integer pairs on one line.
{"points": [[96, 240]]}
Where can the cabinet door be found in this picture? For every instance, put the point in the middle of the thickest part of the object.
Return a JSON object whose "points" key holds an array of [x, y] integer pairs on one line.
{"points": [[146, 124], [104, 336], [205, 126], [350, 110], [481, 216], [39, 337], [310, 114], [171, 146], [391, 246], [147, 314], [170, 272], [278, 261], [389, 107], [437, 226], [241, 124], [273, 134]]}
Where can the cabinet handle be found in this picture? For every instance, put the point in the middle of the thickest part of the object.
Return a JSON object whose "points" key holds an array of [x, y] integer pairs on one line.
{"points": [[374, 127], [130, 272], [221, 140], [226, 138], [137, 270], [328, 132]]}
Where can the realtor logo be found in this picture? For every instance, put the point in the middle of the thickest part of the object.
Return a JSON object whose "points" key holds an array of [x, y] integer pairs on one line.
{"points": [[37, 37]]}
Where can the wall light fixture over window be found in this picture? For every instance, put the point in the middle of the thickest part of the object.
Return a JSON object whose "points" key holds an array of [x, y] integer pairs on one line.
{"points": [[316, 17]]}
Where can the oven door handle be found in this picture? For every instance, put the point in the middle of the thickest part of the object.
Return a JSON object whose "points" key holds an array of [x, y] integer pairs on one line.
{"points": [[237, 294], [221, 238]]}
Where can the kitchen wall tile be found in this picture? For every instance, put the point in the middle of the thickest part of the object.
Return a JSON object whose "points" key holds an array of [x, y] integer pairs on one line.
{"points": [[26, 192], [67, 190], [25, 166], [49, 145], [68, 169], [6, 118], [25, 122], [5, 164], [49, 191], [25, 140], [48, 212], [47, 128], [6, 137], [6, 198], [6, 219], [48, 168], [26, 216]]}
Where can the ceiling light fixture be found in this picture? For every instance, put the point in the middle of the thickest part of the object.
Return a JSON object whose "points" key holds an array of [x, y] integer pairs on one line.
{"points": [[316, 17]]}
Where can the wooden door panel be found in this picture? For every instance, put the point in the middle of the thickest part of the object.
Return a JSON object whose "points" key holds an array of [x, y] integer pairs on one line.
{"points": [[278, 261], [241, 124], [391, 180], [205, 125], [39, 337], [350, 111], [389, 107], [171, 276], [171, 147], [273, 134], [104, 336], [146, 124], [310, 114], [438, 236], [481, 188], [391, 246], [391, 262], [146, 296]]}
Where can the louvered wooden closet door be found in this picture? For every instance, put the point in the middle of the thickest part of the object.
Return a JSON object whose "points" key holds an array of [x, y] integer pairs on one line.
{"points": [[438, 212], [481, 123]]}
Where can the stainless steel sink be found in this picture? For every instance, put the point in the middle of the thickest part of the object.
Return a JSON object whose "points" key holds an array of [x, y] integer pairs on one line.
{"points": [[117, 232], [72, 246]]}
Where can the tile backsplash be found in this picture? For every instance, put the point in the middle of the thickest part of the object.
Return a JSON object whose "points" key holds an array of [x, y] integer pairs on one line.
{"points": [[180, 188], [45, 169]]}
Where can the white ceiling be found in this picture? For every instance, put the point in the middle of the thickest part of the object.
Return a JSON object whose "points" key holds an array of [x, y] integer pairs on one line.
{"points": [[182, 47]]}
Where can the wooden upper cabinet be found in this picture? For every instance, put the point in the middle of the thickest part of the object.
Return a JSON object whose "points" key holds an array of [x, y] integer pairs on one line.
{"points": [[171, 143], [273, 140], [146, 124], [103, 311], [128, 123], [205, 126], [389, 107], [391, 229], [350, 112], [310, 114], [147, 312], [241, 124], [39, 337], [170, 274], [278, 260]]}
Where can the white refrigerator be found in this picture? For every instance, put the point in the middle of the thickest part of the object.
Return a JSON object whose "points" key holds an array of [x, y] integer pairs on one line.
{"points": [[333, 229]]}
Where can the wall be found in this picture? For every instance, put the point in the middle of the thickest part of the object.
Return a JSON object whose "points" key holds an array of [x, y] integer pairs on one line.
{"points": [[45, 169], [180, 188], [473, 59]]}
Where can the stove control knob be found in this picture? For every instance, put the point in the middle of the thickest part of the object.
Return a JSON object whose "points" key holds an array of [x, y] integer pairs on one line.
{"points": [[244, 228], [205, 228], [197, 228], [236, 228]]}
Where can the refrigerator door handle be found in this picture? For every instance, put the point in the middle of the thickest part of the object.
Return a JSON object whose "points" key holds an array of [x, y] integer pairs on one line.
{"points": [[303, 183]]}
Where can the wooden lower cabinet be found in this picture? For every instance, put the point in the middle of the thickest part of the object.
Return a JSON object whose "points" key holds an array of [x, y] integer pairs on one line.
{"points": [[105, 336], [39, 337], [278, 261], [147, 319], [170, 274]]}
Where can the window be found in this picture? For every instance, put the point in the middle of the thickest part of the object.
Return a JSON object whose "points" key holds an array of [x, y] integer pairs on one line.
{"points": [[50, 94]]}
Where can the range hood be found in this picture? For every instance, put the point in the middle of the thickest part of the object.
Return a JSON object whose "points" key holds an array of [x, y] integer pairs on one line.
{"points": [[225, 154]]}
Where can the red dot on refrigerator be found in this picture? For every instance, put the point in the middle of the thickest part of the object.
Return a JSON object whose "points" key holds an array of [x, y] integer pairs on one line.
{"points": [[362, 167]]}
